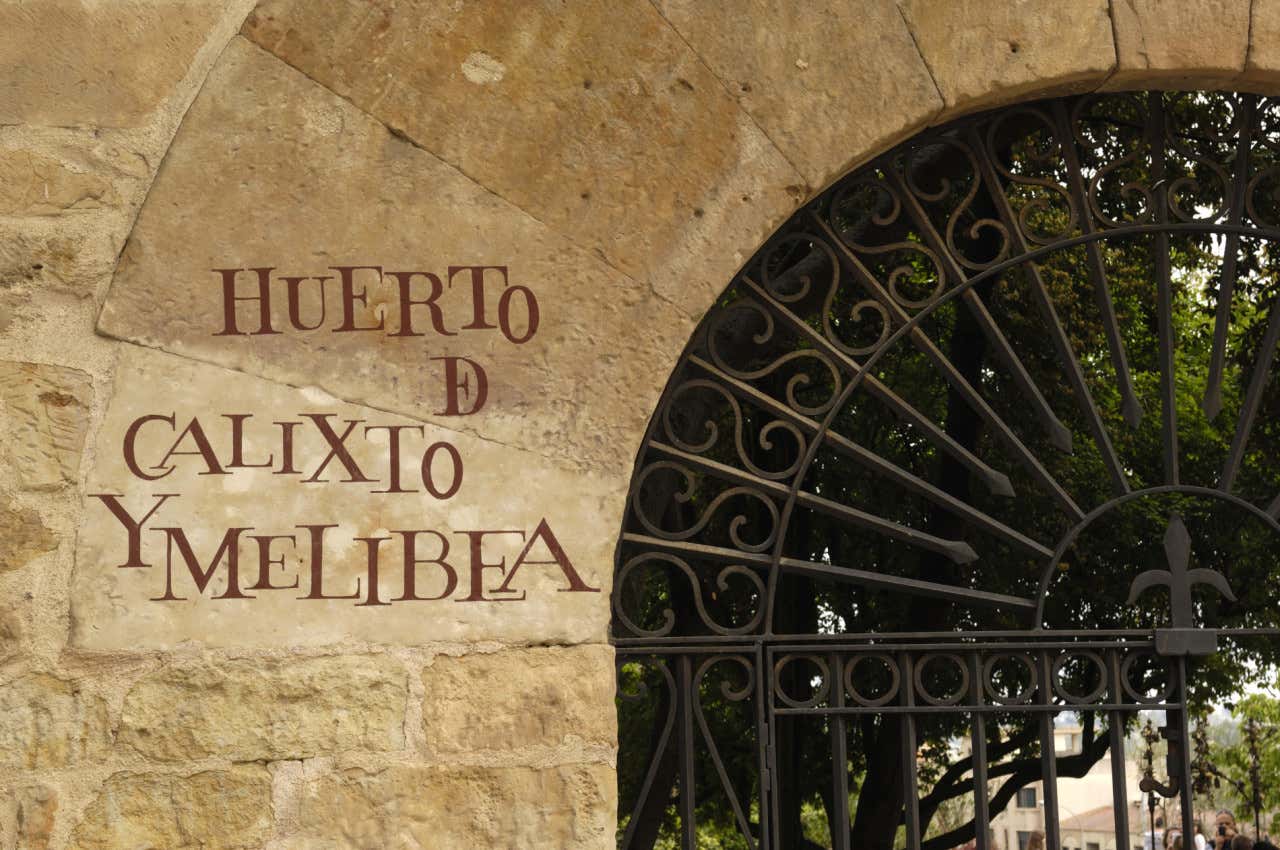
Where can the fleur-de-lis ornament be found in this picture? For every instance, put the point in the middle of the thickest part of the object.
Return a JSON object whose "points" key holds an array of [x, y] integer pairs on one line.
{"points": [[1183, 638]]}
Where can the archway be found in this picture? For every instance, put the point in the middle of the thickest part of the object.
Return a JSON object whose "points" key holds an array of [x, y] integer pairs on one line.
{"points": [[978, 441]]}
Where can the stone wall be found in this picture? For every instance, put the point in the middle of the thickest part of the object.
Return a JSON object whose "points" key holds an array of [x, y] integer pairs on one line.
{"points": [[619, 159]]}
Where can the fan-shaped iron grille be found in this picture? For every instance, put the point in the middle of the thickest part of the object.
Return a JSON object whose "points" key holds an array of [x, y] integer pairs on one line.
{"points": [[980, 442]]}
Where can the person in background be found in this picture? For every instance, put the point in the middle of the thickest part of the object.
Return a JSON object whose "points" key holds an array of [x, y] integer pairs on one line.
{"points": [[1201, 841], [1224, 830], [1036, 841], [1242, 842], [1156, 833]]}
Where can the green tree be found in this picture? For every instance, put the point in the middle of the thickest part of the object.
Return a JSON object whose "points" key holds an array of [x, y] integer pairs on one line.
{"points": [[1252, 760]]}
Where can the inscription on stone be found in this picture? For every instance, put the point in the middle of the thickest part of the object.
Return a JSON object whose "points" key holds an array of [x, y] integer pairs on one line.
{"points": [[362, 297], [216, 493]]}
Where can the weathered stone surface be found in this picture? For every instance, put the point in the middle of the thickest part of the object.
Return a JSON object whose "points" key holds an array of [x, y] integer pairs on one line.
{"points": [[47, 722], [601, 122], [503, 490], [319, 183], [78, 63], [35, 184], [27, 816], [43, 415], [568, 808], [829, 82], [519, 698], [11, 632], [983, 52], [267, 709], [1263, 61], [1201, 43], [47, 255], [213, 810], [23, 536]]}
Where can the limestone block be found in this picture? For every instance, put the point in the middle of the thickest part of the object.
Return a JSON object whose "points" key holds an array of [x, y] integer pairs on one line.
{"points": [[313, 183], [214, 810], [34, 184], [44, 412], [267, 709], [79, 63], [469, 581], [595, 118], [831, 83], [23, 536], [984, 52], [47, 722], [1193, 43], [519, 698], [27, 817], [1263, 64], [570, 807]]}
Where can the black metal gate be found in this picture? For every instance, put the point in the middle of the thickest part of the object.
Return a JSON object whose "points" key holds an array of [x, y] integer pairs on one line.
{"points": [[980, 440]]}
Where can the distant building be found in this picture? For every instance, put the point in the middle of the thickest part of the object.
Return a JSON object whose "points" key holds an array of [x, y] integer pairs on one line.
{"points": [[1085, 814]]}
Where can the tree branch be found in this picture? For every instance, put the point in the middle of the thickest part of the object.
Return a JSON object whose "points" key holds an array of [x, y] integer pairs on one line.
{"points": [[950, 784], [1093, 748]]}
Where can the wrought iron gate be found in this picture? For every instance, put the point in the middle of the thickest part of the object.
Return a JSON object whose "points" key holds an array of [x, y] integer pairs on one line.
{"points": [[979, 440]]}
